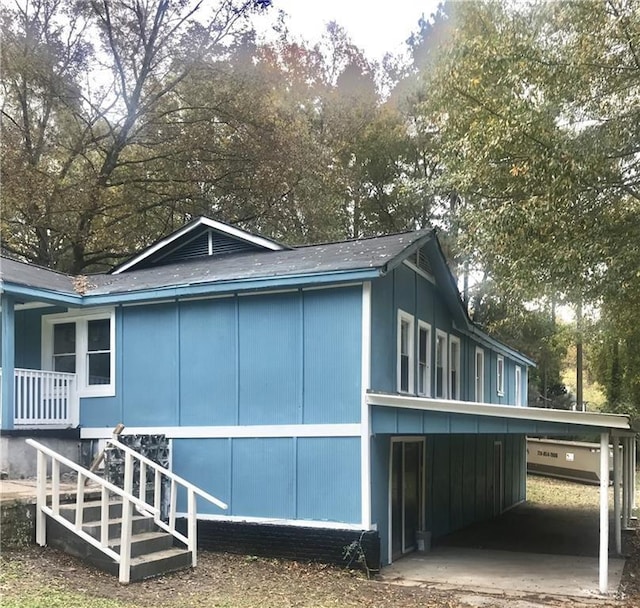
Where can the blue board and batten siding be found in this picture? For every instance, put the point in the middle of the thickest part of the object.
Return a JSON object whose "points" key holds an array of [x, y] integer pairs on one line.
{"points": [[289, 358], [271, 359], [286, 478], [459, 450]]}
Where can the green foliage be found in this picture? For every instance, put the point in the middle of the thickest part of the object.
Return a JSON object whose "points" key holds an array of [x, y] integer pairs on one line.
{"points": [[549, 191], [533, 332], [536, 110]]}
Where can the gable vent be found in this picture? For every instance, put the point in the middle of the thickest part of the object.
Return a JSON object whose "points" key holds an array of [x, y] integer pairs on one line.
{"points": [[420, 260], [207, 243], [197, 248]]}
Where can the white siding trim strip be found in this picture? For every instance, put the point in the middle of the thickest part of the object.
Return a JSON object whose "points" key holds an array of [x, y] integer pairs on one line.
{"points": [[300, 523], [612, 421], [225, 432], [365, 415]]}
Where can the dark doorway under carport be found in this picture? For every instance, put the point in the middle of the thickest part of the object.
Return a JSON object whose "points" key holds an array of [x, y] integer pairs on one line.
{"points": [[536, 528]]}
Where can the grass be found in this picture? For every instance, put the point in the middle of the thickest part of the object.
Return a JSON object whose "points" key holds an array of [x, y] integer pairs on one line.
{"points": [[56, 598]]}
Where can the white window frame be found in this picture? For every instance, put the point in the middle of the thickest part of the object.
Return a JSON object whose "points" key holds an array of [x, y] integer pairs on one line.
{"points": [[500, 375], [454, 340], [445, 366], [405, 317], [426, 392], [518, 386], [81, 320], [479, 375]]}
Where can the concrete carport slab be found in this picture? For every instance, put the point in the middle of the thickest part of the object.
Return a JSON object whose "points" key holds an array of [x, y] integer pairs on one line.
{"points": [[504, 572], [532, 548]]}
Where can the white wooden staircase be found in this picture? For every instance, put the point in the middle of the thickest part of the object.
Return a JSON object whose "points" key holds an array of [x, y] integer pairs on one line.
{"points": [[111, 527]]}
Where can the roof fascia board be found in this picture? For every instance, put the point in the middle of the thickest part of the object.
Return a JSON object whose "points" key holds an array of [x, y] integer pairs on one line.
{"points": [[591, 419], [201, 221], [467, 326], [41, 295], [474, 332], [407, 251], [442, 271], [234, 286]]}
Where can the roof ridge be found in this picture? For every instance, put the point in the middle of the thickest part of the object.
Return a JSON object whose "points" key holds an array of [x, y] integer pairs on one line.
{"points": [[362, 238]]}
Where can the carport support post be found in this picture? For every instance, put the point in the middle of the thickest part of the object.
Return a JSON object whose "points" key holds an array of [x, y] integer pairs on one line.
{"points": [[627, 498], [616, 493], [604, 512]]}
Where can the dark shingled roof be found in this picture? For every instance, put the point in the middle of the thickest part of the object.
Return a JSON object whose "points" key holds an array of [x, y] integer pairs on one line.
{"points": [[311, 259], [362, 254], [21, 273]]}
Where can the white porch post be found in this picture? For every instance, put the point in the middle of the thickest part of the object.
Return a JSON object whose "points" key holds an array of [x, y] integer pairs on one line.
{"points": [[604, 513], [626, 482], [8, 361], [616, 493], [634, 460]]}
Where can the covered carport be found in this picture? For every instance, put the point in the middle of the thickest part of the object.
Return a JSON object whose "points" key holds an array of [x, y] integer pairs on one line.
{"points": [[418, 415]]}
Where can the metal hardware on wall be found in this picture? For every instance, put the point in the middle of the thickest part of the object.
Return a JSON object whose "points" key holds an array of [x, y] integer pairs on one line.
{"points": [[153, 447]]}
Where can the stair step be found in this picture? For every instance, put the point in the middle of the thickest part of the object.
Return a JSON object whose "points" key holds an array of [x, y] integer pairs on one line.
{"points": [[146, 542], [159, 562], [91, 510], [139, 523]]}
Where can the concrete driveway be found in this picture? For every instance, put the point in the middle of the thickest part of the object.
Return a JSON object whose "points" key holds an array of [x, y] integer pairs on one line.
{"points": [[530, 549]]}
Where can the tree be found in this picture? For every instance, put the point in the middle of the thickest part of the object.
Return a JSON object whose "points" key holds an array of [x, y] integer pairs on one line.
{"points": [[539, 131], [536, 107], [86, 126]]}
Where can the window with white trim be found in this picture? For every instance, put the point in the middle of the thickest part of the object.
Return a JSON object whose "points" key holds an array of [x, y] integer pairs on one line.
{"points": [[518, 386], [82, 343], [424, 359], [405, 352], [500, 375], [479, 371], [454, 367], [441, 365]]}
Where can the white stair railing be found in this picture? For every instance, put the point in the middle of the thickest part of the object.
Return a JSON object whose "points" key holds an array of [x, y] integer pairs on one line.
{"points": [[155, 509], [129, 500]]}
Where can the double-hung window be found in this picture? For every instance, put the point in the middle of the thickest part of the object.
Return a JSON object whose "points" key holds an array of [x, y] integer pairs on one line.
{"points": [[454, 367], [424, 359], [82, 344], [500, 375], [518, 386], [441, 365], [405, 352]]}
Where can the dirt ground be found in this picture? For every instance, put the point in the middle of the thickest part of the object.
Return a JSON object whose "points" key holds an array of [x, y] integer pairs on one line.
{"points": [[231, 581]]}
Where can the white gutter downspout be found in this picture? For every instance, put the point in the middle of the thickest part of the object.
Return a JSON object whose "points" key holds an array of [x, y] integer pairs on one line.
{"points": [[604, 513]]}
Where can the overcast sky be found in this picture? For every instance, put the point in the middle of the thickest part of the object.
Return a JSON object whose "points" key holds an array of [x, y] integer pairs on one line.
{"points": [[376, 26]]}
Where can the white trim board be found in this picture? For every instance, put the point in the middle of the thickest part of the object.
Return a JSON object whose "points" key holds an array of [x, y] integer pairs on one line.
{"points": [[299, 523], [611, 421], [226, 432], [365, 412]]}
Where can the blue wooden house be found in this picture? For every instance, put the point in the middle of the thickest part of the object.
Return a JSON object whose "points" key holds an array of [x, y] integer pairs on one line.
{"points": [[326, 393]]}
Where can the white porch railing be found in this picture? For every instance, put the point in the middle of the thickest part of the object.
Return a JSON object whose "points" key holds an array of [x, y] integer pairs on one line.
{"points": [[129, 500], [45, 399]]}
